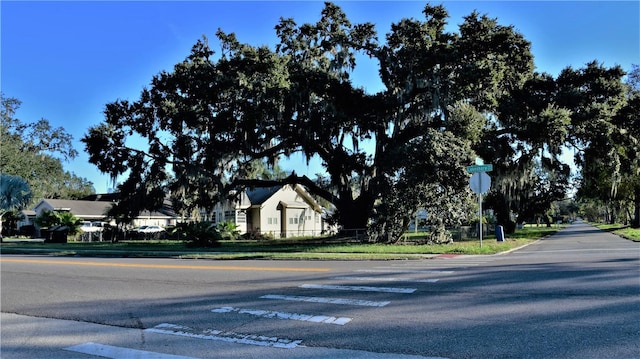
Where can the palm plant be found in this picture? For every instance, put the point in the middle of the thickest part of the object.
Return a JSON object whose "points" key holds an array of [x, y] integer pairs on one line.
{"points": [[15, 194]]}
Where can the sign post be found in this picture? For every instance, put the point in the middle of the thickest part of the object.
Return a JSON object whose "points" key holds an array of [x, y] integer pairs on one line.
{"points": [[480, 183]]}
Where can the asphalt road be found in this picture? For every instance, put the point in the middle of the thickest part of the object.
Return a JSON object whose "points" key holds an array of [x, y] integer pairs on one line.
{"points": [[572, 295]]}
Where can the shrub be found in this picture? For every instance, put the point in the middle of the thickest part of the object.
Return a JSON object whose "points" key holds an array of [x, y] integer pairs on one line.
{"points": [[228, 230], [28, 230], [257, 236], [199, 234]]}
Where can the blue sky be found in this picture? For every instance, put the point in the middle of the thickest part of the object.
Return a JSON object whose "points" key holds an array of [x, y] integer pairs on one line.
{"points": [[65, 60]]}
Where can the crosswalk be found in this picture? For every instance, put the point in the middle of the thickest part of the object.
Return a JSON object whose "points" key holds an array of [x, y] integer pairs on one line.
{"points": [[411, 275], [284, 315]]}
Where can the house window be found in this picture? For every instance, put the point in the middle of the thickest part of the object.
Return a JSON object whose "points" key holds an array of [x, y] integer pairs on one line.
{"points": [[293, 220], [272, 220], [242, 217], [230, 216]]}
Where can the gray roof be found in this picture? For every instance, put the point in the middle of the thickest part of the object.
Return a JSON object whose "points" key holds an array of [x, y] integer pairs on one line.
{"points": [[258, 196], [98, 209], [165, 211], [79, 208]]}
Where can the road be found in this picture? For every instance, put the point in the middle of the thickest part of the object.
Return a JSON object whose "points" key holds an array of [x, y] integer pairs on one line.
{"points": [[572, 295]]}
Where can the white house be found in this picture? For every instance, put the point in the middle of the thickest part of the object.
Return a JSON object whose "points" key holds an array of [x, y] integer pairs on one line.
{"points": [[91, 211], [282, 211], [95, 210]]}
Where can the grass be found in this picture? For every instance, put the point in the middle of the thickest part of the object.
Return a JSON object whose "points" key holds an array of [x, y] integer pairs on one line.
{"points": [[629, 233], [303, 249]]}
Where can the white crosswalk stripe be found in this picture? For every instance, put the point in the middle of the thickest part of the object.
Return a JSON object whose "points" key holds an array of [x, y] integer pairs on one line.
{"points": [[359, 288], [387, 279], [299, 298], [109, 351], [283, 315], [231, 337]]}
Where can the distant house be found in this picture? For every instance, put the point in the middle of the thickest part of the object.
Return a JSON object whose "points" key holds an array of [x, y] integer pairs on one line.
{"points": [[95, 208], [162, 217], [282, 211], [90, 211], [28, 215]]}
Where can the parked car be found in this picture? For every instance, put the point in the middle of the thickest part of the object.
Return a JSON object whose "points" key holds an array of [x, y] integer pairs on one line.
{"points": [[91, 226], [149, 229]]}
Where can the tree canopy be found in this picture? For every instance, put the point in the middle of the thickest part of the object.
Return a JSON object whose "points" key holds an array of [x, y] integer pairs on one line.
{"points": [[446, 97], [607, 126], [35, 152]]}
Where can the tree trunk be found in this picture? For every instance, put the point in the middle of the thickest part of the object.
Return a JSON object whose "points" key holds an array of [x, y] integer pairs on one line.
{"points": [[613, 214], [503, 216], [354, 213], [1, 240], [635, 223]]}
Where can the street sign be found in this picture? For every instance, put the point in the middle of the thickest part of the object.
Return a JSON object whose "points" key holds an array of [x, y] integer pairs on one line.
{"points": [[480, 168], [480, 182]]}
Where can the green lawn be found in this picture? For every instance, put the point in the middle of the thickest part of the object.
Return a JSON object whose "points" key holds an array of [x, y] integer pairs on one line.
{"points": [[621, 230], [309, 248]]}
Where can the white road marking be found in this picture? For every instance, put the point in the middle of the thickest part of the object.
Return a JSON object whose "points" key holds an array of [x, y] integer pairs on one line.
{"points": [[388, 279], [283, 315], [297, 298], [582, 250], [405, 271], [359, 288], [231, 337], [108, 351]]}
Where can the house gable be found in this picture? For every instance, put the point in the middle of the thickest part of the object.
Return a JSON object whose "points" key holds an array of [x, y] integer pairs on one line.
{"points": [[285, 211]]}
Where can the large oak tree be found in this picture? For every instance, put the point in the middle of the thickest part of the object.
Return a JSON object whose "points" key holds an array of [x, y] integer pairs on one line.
{"points": [[386, 153], [605, 131]]}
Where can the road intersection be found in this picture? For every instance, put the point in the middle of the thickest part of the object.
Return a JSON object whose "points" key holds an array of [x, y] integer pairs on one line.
{"points": [[571, 295]]}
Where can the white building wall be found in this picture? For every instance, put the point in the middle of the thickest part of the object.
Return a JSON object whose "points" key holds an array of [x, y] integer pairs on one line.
{"points": [[267, 218]]}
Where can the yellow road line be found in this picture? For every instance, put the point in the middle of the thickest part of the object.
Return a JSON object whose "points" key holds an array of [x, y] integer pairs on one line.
{"points": [[164, 266]]}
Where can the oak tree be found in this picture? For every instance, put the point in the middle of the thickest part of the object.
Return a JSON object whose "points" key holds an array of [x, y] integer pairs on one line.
{"points": [[404, 147]]}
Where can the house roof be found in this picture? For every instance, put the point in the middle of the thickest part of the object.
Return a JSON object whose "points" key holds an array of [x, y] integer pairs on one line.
{"points": [[165, 211], [28, 212], [79, 208], [103, 197], [98, 209], [258, 196]]}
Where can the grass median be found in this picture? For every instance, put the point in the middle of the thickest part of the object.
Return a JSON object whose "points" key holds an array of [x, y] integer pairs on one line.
{"points": [[302, 249], [624, 231]]}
